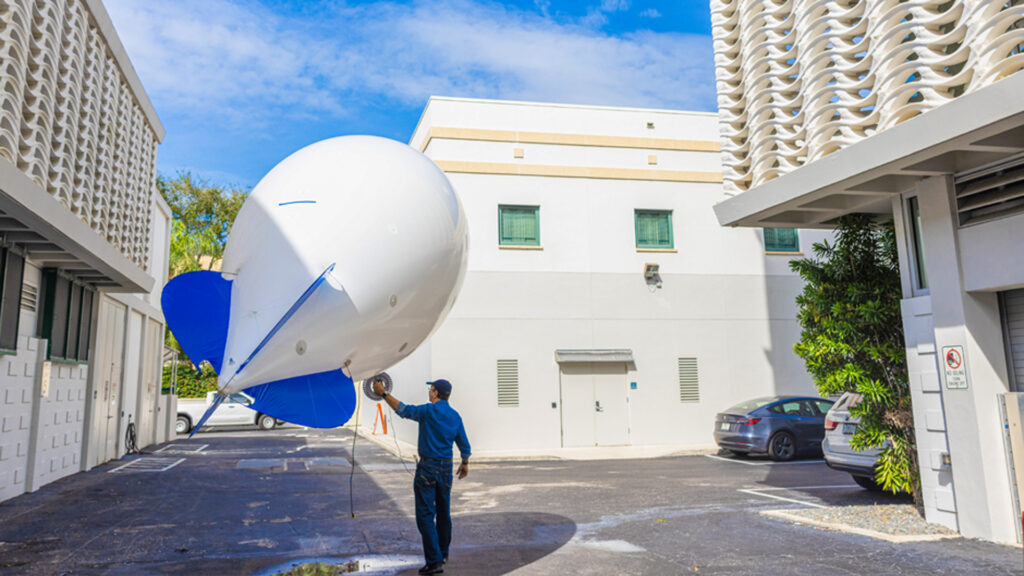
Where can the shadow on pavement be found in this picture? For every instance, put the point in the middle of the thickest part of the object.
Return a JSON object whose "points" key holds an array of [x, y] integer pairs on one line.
{"points": [[502, 542]]}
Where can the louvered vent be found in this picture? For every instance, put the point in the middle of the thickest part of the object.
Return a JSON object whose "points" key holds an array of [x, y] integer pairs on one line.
{"points": [[992, 195], [689, 384], [508, 383], [29, 296]]}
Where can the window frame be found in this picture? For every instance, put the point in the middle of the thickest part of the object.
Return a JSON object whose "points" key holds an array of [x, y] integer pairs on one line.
{"points": [[915, 247], [637, 212], [778, 248], [54, 282], [14, 306], [502, 242]]}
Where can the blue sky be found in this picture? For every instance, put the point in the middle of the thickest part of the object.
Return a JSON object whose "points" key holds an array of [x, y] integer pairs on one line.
{"points": [[241, 84]]}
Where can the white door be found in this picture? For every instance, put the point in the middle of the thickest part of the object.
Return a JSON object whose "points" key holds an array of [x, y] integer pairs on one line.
{"points": [[577, 406], [595, 409], [109, 354], [611, 403]]}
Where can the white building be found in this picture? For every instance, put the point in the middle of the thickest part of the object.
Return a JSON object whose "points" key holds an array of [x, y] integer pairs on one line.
{"points": [[911, 110], [558, 339], [84, 238]]}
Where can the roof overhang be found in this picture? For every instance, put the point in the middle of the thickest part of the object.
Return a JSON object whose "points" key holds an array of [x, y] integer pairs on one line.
{"points": [[575, 356], [971, 132], [52, 236]]}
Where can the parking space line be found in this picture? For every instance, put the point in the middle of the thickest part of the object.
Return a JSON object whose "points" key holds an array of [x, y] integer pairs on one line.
{"points": [[830, 487], [784, 499], [764, 463]]}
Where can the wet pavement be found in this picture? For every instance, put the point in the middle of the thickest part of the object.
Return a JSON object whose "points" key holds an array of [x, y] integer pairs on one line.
{"points": [[252, 502]]}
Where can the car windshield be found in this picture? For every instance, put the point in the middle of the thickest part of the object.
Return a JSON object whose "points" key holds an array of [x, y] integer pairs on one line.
{"points": [[751, 405]]}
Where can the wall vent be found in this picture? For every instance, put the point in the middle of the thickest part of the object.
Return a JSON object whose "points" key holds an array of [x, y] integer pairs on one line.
{"points": [[689, 382], [994, 194], [29, 297], [508, 383]]}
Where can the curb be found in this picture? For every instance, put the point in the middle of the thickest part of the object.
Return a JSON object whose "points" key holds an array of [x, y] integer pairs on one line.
{"points": [[897, 539]]}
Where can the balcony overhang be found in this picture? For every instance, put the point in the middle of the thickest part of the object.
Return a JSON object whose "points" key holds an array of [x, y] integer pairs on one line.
{"points": [[973, 131], [52, 235]]}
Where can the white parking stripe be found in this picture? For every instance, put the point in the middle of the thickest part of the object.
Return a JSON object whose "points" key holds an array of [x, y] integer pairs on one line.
{"points": [[801, 502], [832, 487], [764, 463]]}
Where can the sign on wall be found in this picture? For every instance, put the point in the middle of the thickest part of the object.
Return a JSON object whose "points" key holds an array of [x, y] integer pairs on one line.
{"points": [[955, 367]]}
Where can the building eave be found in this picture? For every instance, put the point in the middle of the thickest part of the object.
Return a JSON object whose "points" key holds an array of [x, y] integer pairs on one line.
{"points": [[975, 130]]}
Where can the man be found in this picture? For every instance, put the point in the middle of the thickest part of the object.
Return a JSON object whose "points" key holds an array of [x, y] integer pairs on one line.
{"points": [[440, 426]]}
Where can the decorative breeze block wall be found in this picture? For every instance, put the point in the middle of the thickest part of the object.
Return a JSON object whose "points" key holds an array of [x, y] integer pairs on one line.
{"points": [[69, 121], [800, 79]]}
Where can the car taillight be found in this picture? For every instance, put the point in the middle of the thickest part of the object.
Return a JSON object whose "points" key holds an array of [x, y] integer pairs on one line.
{"points": [[830, 424], [748, 421]]}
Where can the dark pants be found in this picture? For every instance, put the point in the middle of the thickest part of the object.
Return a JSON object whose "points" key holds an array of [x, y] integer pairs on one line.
{"points": [[433, 488]]}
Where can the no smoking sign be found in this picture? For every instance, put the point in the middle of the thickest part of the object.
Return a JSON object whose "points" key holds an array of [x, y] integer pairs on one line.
{"points": [[954, 367]]}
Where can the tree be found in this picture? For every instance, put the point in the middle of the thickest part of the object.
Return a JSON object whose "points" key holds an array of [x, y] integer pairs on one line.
{"points": [[852, 341], [202, 215]]}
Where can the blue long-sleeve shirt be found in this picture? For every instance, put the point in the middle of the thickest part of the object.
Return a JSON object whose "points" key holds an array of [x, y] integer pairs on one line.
{"points": [[440, 425]]}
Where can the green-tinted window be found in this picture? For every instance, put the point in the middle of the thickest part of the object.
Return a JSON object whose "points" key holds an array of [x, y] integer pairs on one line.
{"points": [[781, 240], [66, 317], [519, 225], [654, 229], [12, 271]]}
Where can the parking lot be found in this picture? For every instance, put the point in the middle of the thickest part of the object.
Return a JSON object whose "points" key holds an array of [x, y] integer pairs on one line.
{"points": [[249, 502]]}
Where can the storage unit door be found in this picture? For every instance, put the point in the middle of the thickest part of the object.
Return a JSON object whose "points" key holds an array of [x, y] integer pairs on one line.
{"points": [[1013, 310], [611, 405], [577, 405]]}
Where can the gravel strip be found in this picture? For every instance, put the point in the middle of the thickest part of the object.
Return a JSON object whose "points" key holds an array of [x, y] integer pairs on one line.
{"points": [[892, 519]]}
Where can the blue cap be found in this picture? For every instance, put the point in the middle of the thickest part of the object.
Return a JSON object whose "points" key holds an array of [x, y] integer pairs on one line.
{"points": [[443, 387]]}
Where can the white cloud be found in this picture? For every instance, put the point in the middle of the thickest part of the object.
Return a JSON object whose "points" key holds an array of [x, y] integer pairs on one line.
{"points": [[250, 65], [650, 13]]}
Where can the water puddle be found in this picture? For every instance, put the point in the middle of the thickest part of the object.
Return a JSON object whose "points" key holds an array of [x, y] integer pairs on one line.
{"points": [[376, 564]]}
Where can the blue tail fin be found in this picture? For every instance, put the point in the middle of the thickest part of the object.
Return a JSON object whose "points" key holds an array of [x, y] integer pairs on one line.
{"points": [[197, 307], [321, 400]]}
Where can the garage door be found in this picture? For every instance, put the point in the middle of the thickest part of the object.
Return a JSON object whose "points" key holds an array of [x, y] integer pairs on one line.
{"points": [[1013, 324]]}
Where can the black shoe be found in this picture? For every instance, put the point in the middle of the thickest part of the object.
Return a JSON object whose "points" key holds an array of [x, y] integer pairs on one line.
{"points": [[435, 568], [444, 560]]}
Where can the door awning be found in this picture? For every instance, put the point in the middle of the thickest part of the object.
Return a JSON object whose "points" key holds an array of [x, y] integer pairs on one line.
{"points": [[570, 356]]}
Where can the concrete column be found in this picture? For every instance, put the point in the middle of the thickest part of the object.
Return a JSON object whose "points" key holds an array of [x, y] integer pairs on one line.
{"points": [[972, 420]]}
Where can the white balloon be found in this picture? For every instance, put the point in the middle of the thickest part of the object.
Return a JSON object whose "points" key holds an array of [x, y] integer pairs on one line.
{"points": [[388, 221]]}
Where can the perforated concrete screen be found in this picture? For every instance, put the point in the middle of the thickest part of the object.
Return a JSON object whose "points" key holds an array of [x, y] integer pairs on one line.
{"points": [[70, 122], [801, 79]]}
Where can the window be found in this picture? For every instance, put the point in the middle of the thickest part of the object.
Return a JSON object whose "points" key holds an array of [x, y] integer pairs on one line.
{"points": [[519, 225], [508, 383], [920, 271], [654, 229], [781, 240], [67, 317], [12, 272], [689, 384]]}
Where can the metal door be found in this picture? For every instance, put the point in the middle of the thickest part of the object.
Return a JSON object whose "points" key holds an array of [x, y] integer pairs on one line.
{"points": [[611, 405], [577, 405], [595, 409]]}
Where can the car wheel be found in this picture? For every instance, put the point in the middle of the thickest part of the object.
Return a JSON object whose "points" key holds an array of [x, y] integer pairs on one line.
{"points": [[782, 447], [182, 425], [867, 483], [266, 422]]}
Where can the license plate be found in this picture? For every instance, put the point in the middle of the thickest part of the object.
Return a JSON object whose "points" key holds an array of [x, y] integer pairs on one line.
{"points": [[849, 428], [724, 426]]}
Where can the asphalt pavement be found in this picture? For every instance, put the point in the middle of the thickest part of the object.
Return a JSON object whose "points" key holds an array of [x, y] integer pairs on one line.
{"points": [[255, 503]]}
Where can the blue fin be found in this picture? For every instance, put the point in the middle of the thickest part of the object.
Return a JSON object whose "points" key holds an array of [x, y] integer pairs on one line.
{"points": [[206, 415], [321, 400], [197, 307]]}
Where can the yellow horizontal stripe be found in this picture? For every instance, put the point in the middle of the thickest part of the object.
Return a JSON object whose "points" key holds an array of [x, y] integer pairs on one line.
{"points": [[569, 139], [579, 172]]}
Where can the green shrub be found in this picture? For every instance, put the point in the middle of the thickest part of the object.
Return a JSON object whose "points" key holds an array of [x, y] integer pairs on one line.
{"points": [[192, 383], [852, 340]]}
